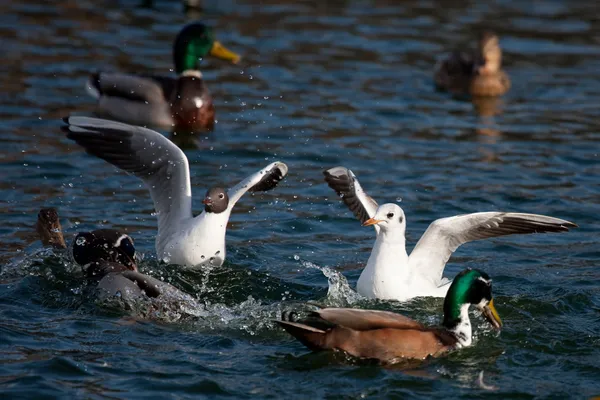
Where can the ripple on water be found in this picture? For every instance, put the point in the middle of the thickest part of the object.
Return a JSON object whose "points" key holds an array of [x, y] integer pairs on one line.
{"points": [[322, 84]]}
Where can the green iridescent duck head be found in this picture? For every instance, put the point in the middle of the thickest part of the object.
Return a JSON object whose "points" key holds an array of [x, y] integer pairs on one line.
{"points": [[470, 286], [195, 42]]}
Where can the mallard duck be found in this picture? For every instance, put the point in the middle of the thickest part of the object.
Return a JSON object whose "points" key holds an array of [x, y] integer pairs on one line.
{"points": [[477, 74], [182, 238], [108, 259], [182, 102], [390, 337], [394, 275]]}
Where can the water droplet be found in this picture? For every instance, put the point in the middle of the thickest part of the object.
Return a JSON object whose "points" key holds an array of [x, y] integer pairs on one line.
{"points": [[399, 199], [296, 257]]}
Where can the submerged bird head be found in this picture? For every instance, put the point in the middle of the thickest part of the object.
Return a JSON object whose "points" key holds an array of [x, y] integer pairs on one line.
{"points": [[104, 245], [470, 286], [193, 43], [490, 54], [389, 217], [216, 200]]}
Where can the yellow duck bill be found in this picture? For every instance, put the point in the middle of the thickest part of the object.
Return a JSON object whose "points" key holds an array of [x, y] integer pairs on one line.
{"points": [[220, 51], [490, 313]]}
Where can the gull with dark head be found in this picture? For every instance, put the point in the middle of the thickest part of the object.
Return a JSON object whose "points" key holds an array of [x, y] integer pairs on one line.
{"points": [[182, 238], [390, 272]]}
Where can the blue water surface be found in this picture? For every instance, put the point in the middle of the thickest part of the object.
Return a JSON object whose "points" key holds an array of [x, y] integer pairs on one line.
{"points": [[322, 84]]}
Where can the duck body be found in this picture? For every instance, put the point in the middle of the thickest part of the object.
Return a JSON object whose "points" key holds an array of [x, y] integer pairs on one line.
{"points": [[390, 337], [396, 338], [182, 102], [107, 257], [476, 74]]}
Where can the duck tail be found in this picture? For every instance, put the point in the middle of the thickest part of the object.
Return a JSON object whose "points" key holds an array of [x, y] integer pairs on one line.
{"points": [[92, 85], [312, 338]]}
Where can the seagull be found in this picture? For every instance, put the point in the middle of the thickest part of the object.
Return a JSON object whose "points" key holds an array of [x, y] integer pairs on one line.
{"points": [[391, 274], [182, 238]]}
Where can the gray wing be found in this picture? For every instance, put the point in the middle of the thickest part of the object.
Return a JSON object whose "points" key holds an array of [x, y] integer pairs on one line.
{"points": [[261, 181], [144, 153], [345, 184], [138, 100], [131, 87], [445, 235], [363, 320]]}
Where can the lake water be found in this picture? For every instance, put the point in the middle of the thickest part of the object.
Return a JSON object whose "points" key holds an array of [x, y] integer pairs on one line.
{"points": [[322, 84]]}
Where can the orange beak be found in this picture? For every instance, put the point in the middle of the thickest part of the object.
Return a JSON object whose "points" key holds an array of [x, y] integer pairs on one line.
{"points": [[207, 201], [371, 221]]}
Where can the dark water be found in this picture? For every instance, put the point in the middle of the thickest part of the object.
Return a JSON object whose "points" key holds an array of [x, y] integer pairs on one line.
{"points": [[345, 83]]}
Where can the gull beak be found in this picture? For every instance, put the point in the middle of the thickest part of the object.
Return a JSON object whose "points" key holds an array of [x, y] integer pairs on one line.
{"points": [[207, 201], [371, 221], [490, 313], [220, 51]]}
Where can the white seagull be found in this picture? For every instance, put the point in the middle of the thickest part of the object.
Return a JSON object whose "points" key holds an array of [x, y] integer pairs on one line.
{"points": [[391, 273], [182, 238]]}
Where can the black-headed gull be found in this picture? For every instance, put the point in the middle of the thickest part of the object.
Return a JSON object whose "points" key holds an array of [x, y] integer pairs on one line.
{"points": [[182, 238]]}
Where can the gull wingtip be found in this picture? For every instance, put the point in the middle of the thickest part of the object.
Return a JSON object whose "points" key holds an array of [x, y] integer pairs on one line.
{"points": [[570, 224]]}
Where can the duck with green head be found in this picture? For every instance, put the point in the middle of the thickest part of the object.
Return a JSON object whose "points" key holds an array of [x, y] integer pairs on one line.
{"points": [[182, 102], [388, 336]]}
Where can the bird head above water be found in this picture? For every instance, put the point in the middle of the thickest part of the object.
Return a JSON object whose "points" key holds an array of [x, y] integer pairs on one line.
{"points": [[107, 245], [470, 287], [490, 54], [193, 43], [389, 217], [48, 228], [216, 200]]}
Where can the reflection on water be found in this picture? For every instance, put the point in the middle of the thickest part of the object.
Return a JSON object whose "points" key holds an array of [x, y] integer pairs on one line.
{"points": [[322, 84]]}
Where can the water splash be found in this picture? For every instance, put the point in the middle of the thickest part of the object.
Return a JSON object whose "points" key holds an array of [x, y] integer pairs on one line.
{"points": [[339, 293]]}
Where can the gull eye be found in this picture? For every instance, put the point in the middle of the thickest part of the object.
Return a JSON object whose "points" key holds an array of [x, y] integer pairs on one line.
{"points": [[390, 215], [221, 196], [401, 219]]}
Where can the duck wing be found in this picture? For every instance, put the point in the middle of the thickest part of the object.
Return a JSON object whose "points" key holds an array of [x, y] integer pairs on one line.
{"points": [[365, 320]]}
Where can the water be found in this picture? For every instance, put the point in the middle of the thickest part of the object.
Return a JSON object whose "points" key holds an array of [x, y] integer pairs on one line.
{"points": [[348, 83]]}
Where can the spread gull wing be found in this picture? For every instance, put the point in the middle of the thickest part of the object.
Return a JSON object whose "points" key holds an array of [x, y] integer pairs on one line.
{"points": [[364, 320], [445, 235], [345, 184], [261, 181], [144, 153]]}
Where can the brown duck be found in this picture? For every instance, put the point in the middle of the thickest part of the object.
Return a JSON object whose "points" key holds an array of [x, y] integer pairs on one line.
{"points": [[181, 102], [477, 74], [390, 337]]}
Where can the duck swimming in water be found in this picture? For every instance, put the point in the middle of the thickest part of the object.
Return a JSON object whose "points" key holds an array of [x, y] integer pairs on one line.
{"points": [[182, 102], [390, 337], [108, 259], [477, 74]]}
